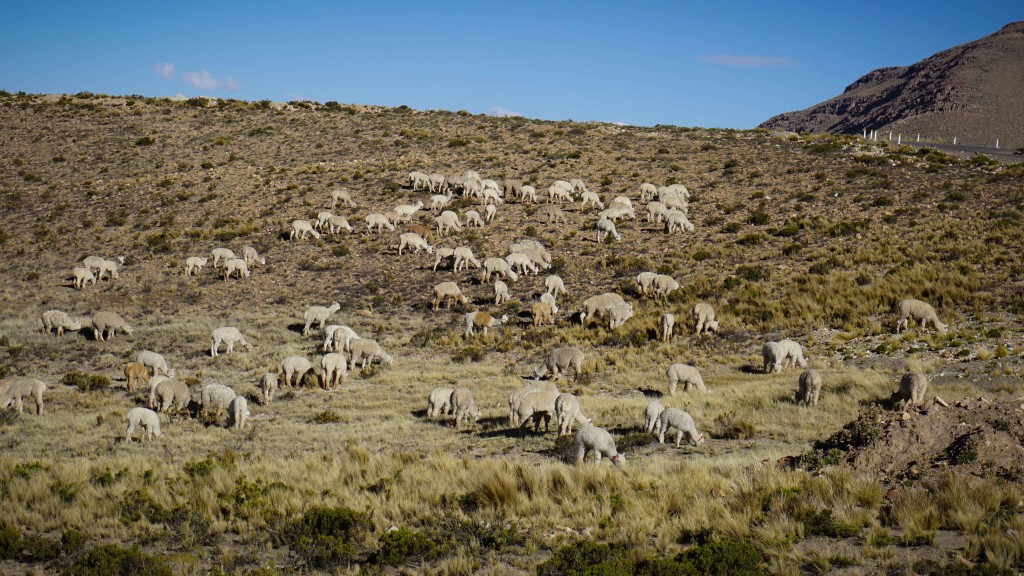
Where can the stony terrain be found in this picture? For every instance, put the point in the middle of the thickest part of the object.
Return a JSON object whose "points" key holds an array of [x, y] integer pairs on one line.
{"points": [[809, 237], [972, 91]]}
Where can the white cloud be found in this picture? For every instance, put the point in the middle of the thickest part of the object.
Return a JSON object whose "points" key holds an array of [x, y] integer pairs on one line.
{"points": [[205, 81], [165, 70], [501, 112], [738, 61]]}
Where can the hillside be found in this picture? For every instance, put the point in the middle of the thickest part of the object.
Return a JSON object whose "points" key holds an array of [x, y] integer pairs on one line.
{"points": [[814, 238], [974, 91]]}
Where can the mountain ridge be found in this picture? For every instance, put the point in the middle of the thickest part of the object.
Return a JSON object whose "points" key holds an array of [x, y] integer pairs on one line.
{"points": [[973, 91]]}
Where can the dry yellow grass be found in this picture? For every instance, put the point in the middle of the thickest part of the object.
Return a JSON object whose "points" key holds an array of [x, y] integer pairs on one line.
{"points": [[384, 456]]}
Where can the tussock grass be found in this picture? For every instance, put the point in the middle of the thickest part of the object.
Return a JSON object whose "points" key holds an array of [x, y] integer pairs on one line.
{"points": [[383, 456]]}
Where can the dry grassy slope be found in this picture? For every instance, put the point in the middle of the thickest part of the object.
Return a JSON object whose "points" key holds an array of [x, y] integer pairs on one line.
{"points": [[794, 237], [792, 234], [266, 170]]}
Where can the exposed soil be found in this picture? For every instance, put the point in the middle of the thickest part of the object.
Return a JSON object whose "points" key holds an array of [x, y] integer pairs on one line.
{"points": [[974, 437]]}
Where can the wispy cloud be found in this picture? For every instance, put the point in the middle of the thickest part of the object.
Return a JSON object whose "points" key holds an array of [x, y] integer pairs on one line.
{"points": [[501, 112], [165, 70], [205, 81], [739, 61]]}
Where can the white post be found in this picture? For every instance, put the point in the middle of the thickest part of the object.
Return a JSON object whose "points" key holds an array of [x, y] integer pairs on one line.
{"points": [[954, 140], [899, 139], [919, 137], [997, 143], [890, 135], [865, 134]]}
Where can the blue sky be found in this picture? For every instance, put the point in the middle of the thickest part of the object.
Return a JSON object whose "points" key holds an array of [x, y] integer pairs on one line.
{"points": [[714, 64]]}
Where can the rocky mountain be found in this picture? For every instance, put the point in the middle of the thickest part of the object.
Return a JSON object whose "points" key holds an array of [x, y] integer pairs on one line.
{"points": [[974, 91]]}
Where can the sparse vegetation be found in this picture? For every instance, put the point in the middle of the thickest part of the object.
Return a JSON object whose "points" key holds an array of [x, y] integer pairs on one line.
{"points": [[817, 247]]}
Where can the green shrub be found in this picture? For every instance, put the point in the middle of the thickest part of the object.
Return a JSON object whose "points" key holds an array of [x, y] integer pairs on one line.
{"points": [[585, 558], [39, 548], [326, 537], [403, 546], [724, 557], [113, 559], [326, 417], [751, 239], [27, 469], [145, 141], [205, 467], [85, 382], [66, 491], [72, 542], [823, 523], [108, 477], [753, 273], [469, 354], [825, 147], [10, 543], [160, 242], [759, 218], [788, 231], [340, 249], [662, 567]]}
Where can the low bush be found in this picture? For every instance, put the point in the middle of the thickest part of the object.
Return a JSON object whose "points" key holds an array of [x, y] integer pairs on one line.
{"points": [[326, 537], [823, 523], [85, 382], [10, 543], [590, 558], [724, 557], [586, 557], [326, 417], [113, 559], [403, 546]]}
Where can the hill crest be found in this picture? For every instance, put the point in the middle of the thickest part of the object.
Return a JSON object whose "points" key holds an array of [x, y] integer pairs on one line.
{"points": [[974, 91]]}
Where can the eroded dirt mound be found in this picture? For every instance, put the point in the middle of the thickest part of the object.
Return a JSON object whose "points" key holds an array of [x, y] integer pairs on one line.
{"points": [[972, 436]]}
